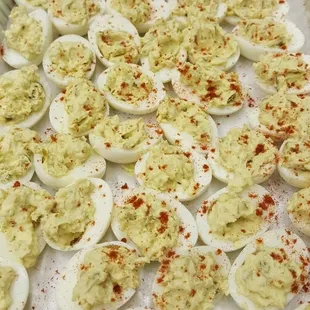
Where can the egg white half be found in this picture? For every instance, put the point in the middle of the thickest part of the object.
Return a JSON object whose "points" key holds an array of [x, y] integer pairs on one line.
{"points": [[121, 155], [281, 10], [69, 277], [62, 82], [211, 239], [270, 89], [6, 249], [273, 239], [93, 167], [17, 60], [201, 176], [159, 9], [146, 106], [19, 290], [102, 199], [65, 28], [59, 117], [26, 4], [34, 117], [253, 51], [225, 176], [187, 221], [187, 93], [177, 137], [110, 22], [289, 175], [220, 258], [165, 75]]}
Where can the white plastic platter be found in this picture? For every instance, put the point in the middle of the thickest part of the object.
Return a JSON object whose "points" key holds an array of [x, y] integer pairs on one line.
{"points": [[43, 278]]}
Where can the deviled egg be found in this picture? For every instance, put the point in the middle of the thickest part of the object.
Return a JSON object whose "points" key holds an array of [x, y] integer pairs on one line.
{"points": [[230, 219], [14, 283], [208, 44], [192, 278], [162, 48], [294, 163], [17, 146], [142, 13], [74, 17], [185, 124], [114, 39], [153, 223], [281, 115], [270, 271], [64, 159], [255, 9], [290, 72], [79, 217], [32, 5], [219, 93], [69, 57], [243, 156], [298, 210], [191, 10], [117, 269], [78, 109], [183, 173], [257, 37], [27, 38], [24, 97], [123, 142], [21, 236], [131, 89]]}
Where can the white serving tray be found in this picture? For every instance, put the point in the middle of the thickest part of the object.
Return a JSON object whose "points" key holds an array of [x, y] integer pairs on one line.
{"points": [[43, 278]]}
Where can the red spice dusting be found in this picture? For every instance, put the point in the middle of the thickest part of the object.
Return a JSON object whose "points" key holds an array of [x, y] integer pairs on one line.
{"points": [[252, 195], [196, 186], [260, 148], [277, 257], [54, 138], [205, 167], [235, 87], [243, 230], [203, 266], [193, 293], [294, 274], [187, 235], [259, 240], [267, 201], [1, 50], [160, 280], [125, 186], [117, 289], [204, 209], [163, 217], [138, 203], [113, 254], [170, 254], [251, 102], [294, 288], [16, 184], [259, 212], [218, 252], [181, 229], [124, 240]]}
